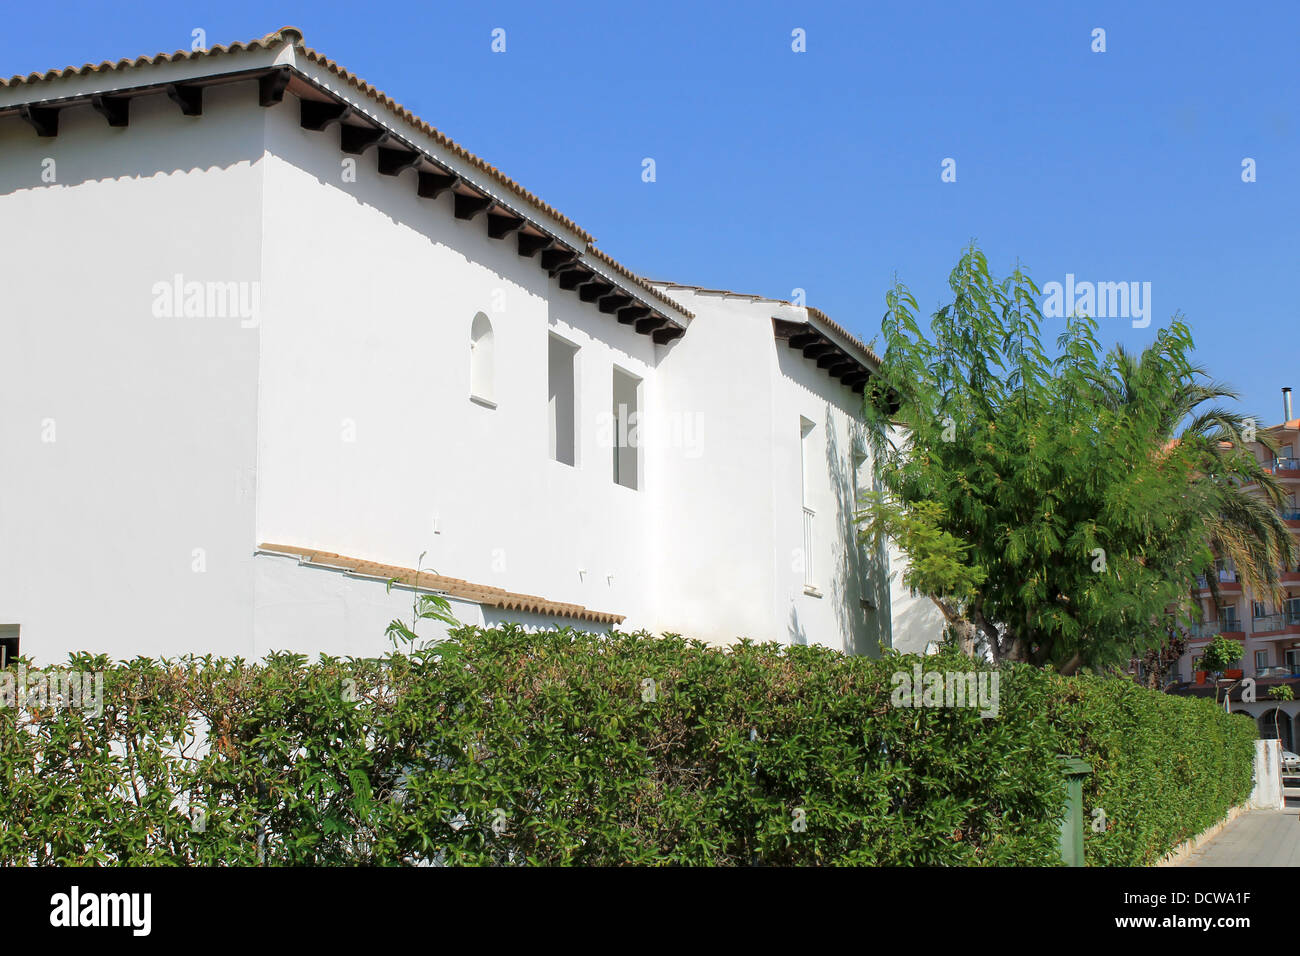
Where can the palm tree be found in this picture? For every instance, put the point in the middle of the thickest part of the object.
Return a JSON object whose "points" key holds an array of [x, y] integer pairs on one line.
{"points": [[1236, 498]]}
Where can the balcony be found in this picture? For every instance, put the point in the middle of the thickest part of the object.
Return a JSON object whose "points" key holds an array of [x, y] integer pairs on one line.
{"points": [[1227, 578], [1286, 622], [1284, 467], [1228, 627]]}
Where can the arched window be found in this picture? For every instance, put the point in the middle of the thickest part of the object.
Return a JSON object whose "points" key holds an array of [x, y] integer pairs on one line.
{"points": [[481, 371]]}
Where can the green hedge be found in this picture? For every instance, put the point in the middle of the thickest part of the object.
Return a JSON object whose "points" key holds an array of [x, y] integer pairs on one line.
{"points": [[557, 747], [1165, 768]]}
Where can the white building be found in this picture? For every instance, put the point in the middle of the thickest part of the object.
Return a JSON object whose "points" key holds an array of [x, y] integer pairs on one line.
{"points": [[266, 337]]}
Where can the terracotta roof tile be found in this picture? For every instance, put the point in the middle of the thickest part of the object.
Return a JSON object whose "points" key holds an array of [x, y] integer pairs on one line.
{"points": [[817, 314], [294, 36], [425, 580], [108, 66]]}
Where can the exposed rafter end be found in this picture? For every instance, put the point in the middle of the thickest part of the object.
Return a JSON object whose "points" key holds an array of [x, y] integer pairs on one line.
{"points": [[501, 226], [836, 361], [653, 323], [571, 279], [187, 96], [467, 207], [316, 116], [355, 140], [830, 359], [610, 304], [666, 334], [629, 314], [555, 260], [433, 185], [115, 109], [43, 119], [594, 290], [271, 86], [530, 245], [395, 161]]}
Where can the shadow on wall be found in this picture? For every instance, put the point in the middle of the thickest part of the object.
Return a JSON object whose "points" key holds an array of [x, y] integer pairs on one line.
{"points": [[860, 584], [795, 629], [916, 622], [158, 141]]}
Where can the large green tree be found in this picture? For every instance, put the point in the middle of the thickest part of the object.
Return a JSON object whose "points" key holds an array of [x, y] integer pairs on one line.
{"points": [[1056, 504]]}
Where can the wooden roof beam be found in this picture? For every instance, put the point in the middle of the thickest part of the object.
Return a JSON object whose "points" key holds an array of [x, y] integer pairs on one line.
{"points": [[43, 119], [610, 304], [501, 226], [595, 289], [115, 109], [530, 245], [271, 86], [467, 207], [393, 162], [553, 260], [188, 96], [829, 359], [572, 279], [432, 185], [355, 140], [818, 349], [318, 116], [650, 324]]}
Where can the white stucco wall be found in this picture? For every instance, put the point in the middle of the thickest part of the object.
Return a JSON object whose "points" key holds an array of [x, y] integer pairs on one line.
{"points": [[731, 538], [339, 417], [917, 622], [369, 443], [152, 420]]}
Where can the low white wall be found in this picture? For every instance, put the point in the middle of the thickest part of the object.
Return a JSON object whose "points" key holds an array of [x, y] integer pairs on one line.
{"points": [[1267, 794], [313, 610]]}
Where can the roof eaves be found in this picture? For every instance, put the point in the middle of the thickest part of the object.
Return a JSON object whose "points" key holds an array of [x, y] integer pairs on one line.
{"points": [[817, 315], [429, 581], [107, 66], [293, 36]]}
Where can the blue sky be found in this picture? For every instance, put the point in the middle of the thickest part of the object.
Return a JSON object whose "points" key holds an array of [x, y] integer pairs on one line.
{"points": [[821, 170]]}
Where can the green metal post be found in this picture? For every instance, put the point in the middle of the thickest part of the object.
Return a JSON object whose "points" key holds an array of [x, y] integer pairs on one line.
{"points": [[1072, 826]]}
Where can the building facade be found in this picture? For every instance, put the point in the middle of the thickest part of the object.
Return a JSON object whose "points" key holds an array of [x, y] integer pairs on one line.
{"points": [[269, 342], [1267, 630]]}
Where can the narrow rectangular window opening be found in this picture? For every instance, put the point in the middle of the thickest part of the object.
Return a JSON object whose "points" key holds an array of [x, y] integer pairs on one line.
{"points": [[562, 405], [805, 465], [627, 463], [8, 644]]}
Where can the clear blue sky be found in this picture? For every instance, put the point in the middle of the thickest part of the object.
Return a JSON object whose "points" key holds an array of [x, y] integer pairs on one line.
{"points": [[821, 170]]}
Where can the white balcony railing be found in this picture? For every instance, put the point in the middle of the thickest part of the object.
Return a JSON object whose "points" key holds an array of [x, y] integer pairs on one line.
{"points": [[809, 578]]}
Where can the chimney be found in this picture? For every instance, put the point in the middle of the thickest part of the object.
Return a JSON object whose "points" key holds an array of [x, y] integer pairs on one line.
{"points": [[1286, 404]]}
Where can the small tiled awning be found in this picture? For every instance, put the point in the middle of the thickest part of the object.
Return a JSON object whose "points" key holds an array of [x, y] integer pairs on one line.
{"points": [[454, 587]]}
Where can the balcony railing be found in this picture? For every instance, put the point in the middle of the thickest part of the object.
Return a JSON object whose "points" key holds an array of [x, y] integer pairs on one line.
{"points": [[808, 577], [1225, 576], [1291, 465], [1291, 514], [1275, 622], [1208, 629]]}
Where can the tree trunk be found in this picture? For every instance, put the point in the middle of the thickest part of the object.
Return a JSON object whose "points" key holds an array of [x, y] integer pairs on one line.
{"points": [[963, 628]]}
